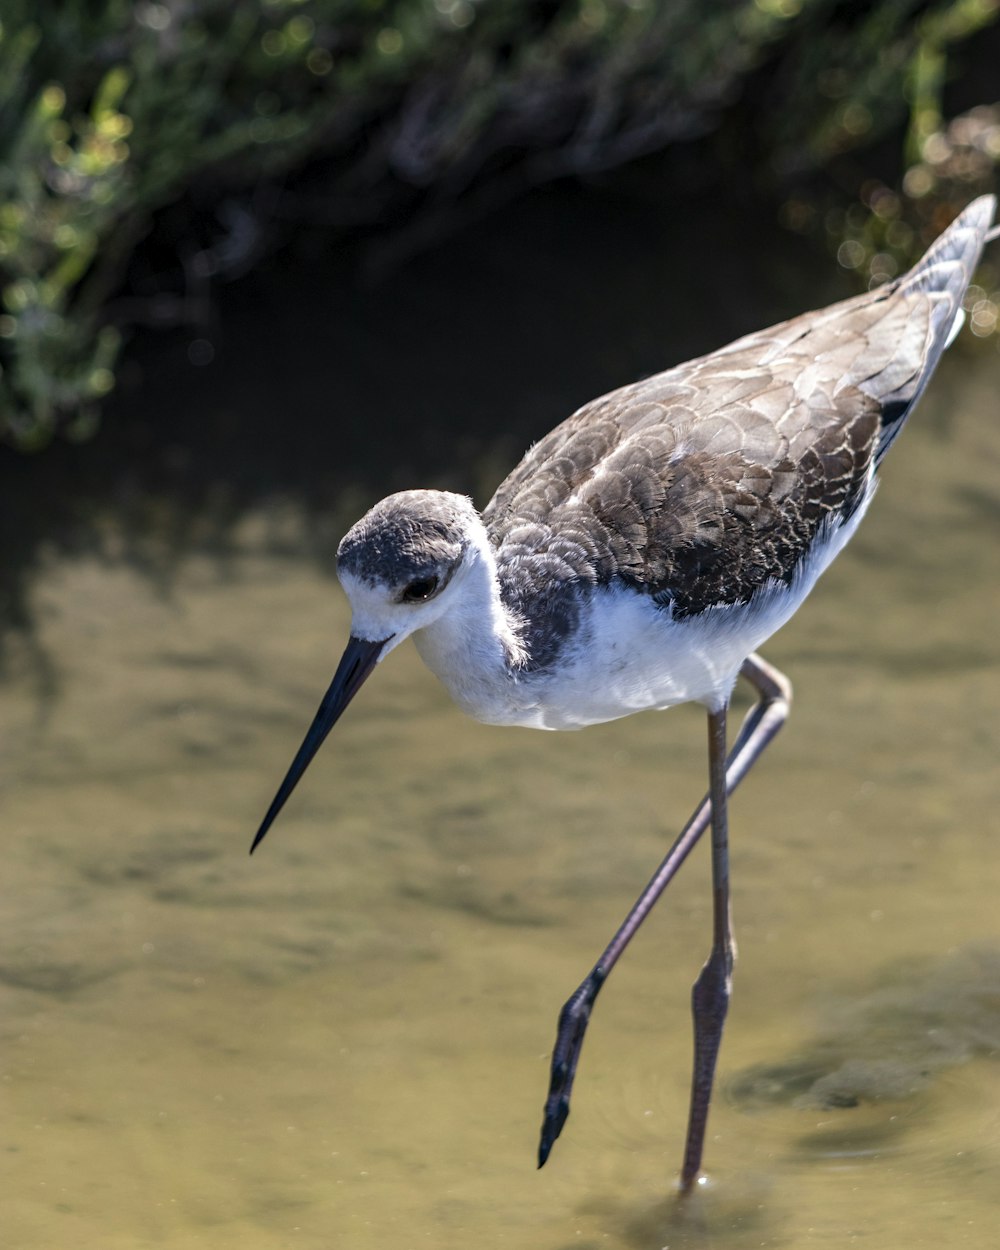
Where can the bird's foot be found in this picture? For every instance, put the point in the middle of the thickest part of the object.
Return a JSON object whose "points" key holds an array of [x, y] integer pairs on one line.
{"points": [[573, 1020]]}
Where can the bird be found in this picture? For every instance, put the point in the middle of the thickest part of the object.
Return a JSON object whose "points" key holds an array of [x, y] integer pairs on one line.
{"points": [[638, 557]]}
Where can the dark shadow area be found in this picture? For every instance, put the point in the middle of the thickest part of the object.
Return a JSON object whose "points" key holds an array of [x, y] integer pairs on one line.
{"points": [[313, 382], [888, 1045]]}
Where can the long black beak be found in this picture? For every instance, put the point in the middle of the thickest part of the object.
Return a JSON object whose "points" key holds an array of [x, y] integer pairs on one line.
{"points": [[357, 662]]}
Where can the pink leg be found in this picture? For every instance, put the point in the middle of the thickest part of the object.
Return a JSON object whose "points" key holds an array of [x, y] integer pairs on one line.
{"points": [[711, 992]]}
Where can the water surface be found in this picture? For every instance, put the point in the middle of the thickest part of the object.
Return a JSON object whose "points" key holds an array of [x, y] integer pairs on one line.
{"points": [[343, 1041]]}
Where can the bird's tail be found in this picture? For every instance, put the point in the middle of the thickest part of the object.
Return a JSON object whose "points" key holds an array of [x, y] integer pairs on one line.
{"points": [[943, 275]]}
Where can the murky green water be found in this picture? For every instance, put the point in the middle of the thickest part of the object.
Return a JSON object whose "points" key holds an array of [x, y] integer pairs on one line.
{"points": [[343, 1042]]}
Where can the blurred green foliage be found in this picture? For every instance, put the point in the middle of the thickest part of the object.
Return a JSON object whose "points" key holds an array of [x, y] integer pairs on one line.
{"points": [[110, 109]]}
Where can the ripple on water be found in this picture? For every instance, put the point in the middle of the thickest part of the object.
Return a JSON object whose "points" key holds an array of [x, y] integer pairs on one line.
{"points": [[893, 1071]]}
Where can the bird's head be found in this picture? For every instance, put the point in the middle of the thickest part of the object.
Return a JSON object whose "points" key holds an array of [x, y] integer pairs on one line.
{"points": [[400, 566]]}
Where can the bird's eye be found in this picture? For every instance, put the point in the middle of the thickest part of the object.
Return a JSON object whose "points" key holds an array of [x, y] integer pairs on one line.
{"points": [[420, 590]]}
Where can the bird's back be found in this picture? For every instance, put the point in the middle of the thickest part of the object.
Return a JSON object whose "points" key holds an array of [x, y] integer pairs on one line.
{"points": [[703, 484]]}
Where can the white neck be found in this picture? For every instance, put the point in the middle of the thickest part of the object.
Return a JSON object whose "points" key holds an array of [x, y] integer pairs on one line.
{"points": [[473, 647]]}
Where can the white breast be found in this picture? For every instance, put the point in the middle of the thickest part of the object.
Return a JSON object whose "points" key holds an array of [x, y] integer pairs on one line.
{"points": [[631, 655], [627, 655]]}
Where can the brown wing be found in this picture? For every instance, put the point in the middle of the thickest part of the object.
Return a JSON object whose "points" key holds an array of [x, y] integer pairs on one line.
{"points": [[700, 484]]}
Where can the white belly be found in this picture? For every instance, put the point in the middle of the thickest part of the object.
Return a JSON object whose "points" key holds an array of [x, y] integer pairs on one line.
{"points": [[633, 656], [630, 655]]}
